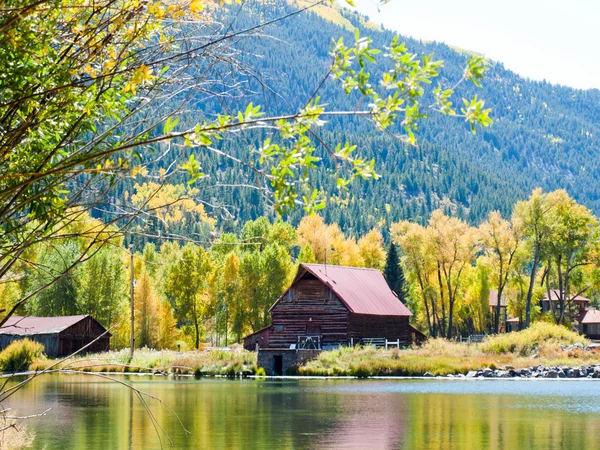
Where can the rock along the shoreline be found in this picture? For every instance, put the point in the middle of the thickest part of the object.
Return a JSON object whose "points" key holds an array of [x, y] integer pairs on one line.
{"points": [[531, 372]]}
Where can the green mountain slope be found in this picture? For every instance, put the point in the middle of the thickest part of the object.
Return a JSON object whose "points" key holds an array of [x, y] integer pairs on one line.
{"points": [[543, 136]]}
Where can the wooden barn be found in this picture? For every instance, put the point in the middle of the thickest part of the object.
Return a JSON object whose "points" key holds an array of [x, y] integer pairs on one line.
{"points": [[328, 306], [60, 336]]}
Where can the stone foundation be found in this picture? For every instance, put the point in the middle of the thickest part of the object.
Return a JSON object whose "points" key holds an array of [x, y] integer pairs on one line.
{"points": [[279, 361]]}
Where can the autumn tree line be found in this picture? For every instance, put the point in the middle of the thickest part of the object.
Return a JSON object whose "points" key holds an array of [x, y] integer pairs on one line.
{"points": [[549, 242], [190, 292], [185, 292]]}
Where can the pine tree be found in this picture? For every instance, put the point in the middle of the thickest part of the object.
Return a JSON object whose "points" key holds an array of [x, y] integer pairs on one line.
{"points": [[394, 275]]}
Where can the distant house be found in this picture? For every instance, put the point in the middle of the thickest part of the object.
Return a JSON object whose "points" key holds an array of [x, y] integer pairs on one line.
{"points": [[60, 336], [590, 324], [328, 306], [587, 317], [493, 302], [513, 324], [551, 302]]}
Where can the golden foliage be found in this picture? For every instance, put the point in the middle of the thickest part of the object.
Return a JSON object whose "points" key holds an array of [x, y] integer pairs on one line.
{"points": [[170, 202], [329, 245], [372, 250]]}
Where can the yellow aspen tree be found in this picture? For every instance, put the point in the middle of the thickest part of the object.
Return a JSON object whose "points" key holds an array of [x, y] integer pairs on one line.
{"points": [[501, 240], [453, 243], [372, 250]]}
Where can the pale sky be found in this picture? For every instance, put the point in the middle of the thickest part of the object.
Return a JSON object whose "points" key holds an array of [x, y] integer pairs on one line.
{"points": [[555, 40]]}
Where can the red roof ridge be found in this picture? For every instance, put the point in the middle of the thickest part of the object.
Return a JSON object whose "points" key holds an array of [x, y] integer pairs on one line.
{"points": [[342, 267]]}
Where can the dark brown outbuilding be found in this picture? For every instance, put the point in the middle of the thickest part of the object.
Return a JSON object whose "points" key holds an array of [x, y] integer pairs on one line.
{"points": [[60, 336]]}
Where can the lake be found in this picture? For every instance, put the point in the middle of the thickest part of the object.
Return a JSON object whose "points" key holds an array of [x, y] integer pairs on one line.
{"points": [[92, 413]]}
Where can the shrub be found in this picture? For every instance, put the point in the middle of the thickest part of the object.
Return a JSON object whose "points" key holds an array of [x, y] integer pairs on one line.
{"points": [[232, 371], [361, 370], [19, 355], [524, 342], [260, 372]]}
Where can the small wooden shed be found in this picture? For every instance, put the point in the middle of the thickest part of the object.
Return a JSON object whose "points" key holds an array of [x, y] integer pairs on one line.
{"points": [[590, 324], [60, 336]]}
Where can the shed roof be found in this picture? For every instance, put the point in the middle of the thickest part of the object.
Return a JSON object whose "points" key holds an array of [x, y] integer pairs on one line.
{"points": [[30, 325], [592, 315], [494, 299], [362, 290], [554, 295]]}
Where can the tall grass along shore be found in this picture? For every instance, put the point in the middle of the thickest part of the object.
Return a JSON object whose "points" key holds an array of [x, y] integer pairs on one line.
{"points": [[541, 345]]}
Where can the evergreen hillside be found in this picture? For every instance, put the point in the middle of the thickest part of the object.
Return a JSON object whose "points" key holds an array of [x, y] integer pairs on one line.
{"points": [[543, 135]]}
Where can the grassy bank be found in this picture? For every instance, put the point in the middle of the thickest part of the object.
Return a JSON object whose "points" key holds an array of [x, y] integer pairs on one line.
{"points": [[542, 344], [209, 362]]}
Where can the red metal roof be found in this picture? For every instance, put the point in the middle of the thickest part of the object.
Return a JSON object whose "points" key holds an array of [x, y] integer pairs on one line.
{"points": [[363, 291], [592, 315], [28, 325]]}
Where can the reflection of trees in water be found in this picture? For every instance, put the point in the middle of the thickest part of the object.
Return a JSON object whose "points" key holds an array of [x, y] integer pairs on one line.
{"points": [[307, 414], [472, 422], [80, 393]]}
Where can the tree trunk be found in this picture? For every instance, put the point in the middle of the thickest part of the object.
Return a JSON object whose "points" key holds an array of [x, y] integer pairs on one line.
{"points": [[442, 325], [426, 304], [548, 293], [450, 316], [561, 291], [450, 307], [498, 310], [536, 262], [197, 329], [226, 323]]}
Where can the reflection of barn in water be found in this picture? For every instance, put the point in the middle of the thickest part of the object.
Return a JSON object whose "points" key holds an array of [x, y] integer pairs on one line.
{"points": [[60, 335], [366, 417], [329, 306]]}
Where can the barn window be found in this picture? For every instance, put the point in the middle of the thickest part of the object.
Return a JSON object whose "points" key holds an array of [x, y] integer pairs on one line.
{"points": [[279, 328]]}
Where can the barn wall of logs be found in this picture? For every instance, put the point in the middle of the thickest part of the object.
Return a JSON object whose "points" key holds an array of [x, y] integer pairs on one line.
{"points": [[363, 326], [309, 308]]}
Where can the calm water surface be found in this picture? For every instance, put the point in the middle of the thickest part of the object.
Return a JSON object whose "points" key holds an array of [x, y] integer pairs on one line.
{"points": [[90, 413]]}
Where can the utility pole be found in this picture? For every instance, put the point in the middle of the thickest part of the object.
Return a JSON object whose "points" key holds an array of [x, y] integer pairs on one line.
{"points": [[132, 282]]}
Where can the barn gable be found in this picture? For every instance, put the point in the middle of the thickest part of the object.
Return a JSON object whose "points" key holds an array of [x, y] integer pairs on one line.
{"points": [[308, 308], [361, 290], [310, 291]]}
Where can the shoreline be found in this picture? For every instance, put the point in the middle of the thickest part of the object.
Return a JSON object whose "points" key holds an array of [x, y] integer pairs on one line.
{"points": [[460, 377]]}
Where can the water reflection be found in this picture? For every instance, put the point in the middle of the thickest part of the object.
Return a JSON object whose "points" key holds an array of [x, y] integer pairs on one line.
{"points": [[90, 413]]}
